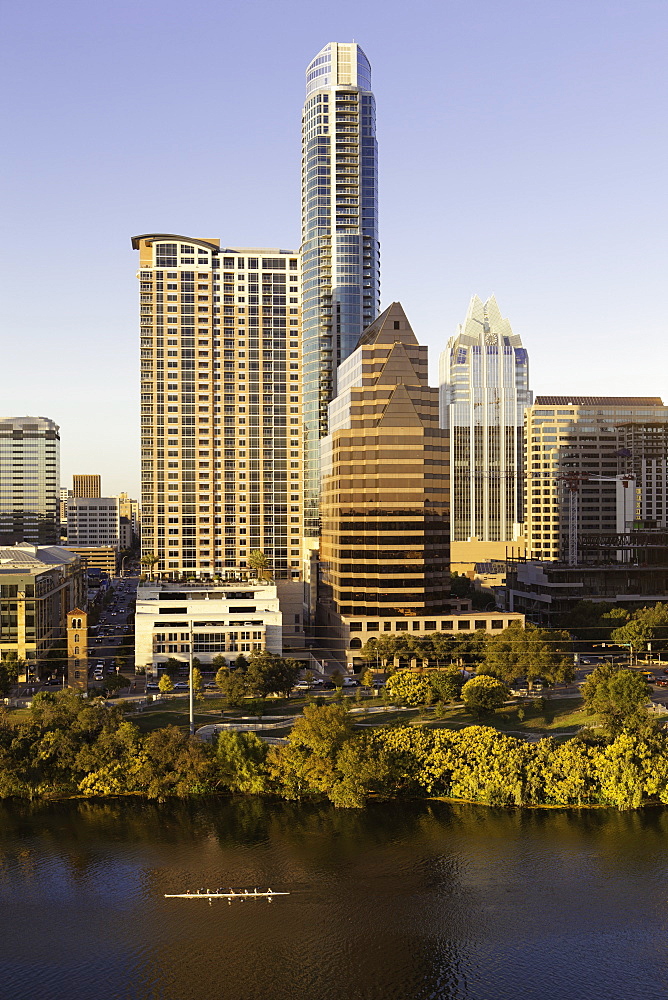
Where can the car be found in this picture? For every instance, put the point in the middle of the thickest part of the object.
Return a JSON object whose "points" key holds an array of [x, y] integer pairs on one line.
{"points": [[328, 685], [152, 686], [350, 682], [180, 686], [661, 682]]}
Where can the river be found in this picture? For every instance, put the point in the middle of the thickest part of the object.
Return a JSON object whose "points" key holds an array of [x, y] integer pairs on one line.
{"points": [[411, 901]]}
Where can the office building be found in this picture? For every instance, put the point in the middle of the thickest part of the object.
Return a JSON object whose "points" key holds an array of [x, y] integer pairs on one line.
{"points": [[484, 389], [221, 417], [228, 621], [38, 586], [64, 498], [29, 480], [384, 547], [340, 248], [101, 558], [93, 521], [87, 486], [595, 464]]}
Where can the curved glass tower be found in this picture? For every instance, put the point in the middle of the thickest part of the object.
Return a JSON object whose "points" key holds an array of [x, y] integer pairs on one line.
{"points": [[340, 249]]}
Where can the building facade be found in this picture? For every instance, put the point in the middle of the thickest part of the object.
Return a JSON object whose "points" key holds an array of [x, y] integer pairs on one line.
{"points": [[384, 550], [221, 418], [86, 486], [483, 391], [38, 586], [93, 521], [29, 481], [340, 247], [594, 465], [240, 618]]}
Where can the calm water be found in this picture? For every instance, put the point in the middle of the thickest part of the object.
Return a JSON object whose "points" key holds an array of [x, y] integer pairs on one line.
{"points": [[400, 901]]}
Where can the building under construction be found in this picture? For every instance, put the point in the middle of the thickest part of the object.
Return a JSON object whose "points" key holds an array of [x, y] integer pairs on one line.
{"points": [[628, 568]]}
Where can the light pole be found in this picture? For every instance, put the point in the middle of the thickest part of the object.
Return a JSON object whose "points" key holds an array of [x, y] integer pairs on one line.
{"points": [[191, 692]]}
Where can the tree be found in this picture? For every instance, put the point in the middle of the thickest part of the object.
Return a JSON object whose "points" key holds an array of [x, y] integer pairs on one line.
{"points": [[259, 563], [484, 694], [233, 686], [166, 684], [222, 674], [529, 652], [241, 759], [447, 684], [591, 621], [307, 765], [368, 678], [173, 666], [272, 674], [197, 682], [241, 663], [337, 678], [10, 668], [149, 560], [618, 697], [410, 688], [648, 625]]}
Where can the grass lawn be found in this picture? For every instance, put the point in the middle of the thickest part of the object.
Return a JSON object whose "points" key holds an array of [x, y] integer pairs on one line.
{"points": [[564, 717]]}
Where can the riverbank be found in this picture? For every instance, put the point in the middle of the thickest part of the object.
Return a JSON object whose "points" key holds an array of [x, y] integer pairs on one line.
{"points": [[70, 747]]}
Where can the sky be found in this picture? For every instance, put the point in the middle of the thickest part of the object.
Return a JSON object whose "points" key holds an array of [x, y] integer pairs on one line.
{"points": [[522, 153]]}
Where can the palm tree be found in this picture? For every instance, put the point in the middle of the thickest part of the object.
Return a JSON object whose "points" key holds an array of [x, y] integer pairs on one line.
{"points": [[149, 561], [259, 563]]}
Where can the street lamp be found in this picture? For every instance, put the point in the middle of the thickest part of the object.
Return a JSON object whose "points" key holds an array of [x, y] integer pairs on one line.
{"points": [[190, 692]]}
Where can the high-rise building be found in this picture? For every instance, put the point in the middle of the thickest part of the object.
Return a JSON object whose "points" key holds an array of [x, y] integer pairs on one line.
{"points": [[340, 248], [221, 415], [29, 480], [93, 521], [86, 486], [484, 389], [384, 549], [581, 452]]}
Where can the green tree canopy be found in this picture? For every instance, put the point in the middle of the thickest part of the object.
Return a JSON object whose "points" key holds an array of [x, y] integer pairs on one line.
{"points": [[648, 625], [260, 565], [618, 697], [529, 652], [484, 694], [447, 684], [272, 674], [409, 687], [166, 684]]}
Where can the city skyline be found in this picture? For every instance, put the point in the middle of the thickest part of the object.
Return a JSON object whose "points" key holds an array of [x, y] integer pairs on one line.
{"points": [[538, 177]]}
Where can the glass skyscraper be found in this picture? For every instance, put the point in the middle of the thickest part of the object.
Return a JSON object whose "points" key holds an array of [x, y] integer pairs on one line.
{"points": [[340, 248], [484, 389], [29, 480]]}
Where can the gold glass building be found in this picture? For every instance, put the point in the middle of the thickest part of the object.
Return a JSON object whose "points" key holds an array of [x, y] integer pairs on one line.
{"points": [[221, 420], [87, 486], [385, 513]]}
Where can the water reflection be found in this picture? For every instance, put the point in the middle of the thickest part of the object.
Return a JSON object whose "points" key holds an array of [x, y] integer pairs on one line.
{"points": [[420, 900]]}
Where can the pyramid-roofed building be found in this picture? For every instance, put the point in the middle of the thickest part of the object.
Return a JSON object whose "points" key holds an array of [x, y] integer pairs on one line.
{"points": [[384, 544]]}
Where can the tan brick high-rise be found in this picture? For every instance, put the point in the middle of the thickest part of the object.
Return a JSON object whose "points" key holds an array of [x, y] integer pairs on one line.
{"points": [[220, 406], [385, 528]]}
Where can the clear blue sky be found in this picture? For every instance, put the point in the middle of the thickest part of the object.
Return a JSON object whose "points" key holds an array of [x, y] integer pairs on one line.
{"points": [[522, 151]]}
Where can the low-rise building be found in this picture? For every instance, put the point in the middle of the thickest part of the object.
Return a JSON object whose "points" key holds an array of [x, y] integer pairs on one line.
{"points": [[627, 568], [218, 619], [102, 557], [354, 632], [38, 586]]}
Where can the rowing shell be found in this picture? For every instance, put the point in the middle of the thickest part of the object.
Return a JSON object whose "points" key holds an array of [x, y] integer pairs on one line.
{"points": [[224, 895]]}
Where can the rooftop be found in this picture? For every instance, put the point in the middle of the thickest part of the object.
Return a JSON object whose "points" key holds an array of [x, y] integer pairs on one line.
{"points": [[598, 401]]}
